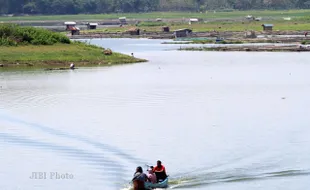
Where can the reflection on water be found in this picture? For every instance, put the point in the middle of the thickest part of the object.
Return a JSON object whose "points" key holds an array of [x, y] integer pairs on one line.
{"points": [[217, 120]]}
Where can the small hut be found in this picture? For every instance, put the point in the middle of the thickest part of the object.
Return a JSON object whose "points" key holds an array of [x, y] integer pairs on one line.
{"points": [[122, 20], [193, 20], [134, 31], [69, 25], [249, 17], [258, 18], [75, 31], [250, 34], [165, 29], [182, 32], [267, 27], [92, 26]]}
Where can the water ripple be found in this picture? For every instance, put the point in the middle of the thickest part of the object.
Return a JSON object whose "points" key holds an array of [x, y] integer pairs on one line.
{"points": [[98, 161], [55, 132], [226, 177]]}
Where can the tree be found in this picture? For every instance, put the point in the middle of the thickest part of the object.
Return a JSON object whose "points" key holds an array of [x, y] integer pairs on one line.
{"points": [[30, 8], [121, 6]]}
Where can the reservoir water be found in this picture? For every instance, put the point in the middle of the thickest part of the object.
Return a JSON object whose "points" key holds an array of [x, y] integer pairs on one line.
{"points": [[217, 120]]}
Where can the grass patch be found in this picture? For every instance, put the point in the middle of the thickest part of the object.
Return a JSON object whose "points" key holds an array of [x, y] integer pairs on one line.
{"points": [[165, 15], [107, 30], [206, 42], [60, 55], [248, 49], [243, 26], [230, 42], [216, 42], [236, 26], [13, 35], [151, 24], [35, 47]]}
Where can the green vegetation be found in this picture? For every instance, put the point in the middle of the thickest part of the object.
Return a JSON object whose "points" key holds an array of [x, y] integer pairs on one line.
{"points": [[209, 41], [192, 42], [151, 24], [39, 48], [243, 41], [209, 15], [305, 42], [60, 55], [230, 42], [249, 48], [235, 26], [141, 6], [13, 35]]}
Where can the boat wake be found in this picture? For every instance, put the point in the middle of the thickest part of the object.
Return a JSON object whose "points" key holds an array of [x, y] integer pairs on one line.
{"points": [[98, 157], [212, 178]]}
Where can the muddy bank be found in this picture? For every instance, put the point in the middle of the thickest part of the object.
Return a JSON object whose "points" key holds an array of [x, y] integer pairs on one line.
{"points": [[150, 35], [105, 21], [278, 40], [288, 36], [253, 48]]}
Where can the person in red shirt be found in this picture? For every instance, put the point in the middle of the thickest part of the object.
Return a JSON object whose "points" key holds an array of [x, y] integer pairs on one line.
{"points": [[160, 172]]}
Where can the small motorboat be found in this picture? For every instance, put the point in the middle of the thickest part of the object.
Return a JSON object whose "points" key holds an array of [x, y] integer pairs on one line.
{"points": [[162, 184]]}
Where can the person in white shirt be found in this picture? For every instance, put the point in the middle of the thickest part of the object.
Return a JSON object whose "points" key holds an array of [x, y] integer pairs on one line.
{"points": [[72, 66]]}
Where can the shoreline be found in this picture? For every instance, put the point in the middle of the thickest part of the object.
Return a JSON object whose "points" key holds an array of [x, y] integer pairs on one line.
{"points": [[60, 56], [37, 48], [261, 35], [253, 48], [59, 65]]}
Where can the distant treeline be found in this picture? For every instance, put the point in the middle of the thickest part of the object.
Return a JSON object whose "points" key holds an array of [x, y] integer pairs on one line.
{"points": [[127, 6]]}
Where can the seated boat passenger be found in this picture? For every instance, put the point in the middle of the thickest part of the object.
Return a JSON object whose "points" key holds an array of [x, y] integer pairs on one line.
{"points": [[151, 175], [160, 172], [139, 179]]}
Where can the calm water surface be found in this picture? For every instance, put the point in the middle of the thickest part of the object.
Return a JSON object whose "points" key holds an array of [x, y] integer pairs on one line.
{"points": [[217, 120]]}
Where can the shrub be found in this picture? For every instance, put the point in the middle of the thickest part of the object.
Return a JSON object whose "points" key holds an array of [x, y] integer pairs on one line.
{"points": [[30, 35], [7, 42], [149, 24], [225, 10]]}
